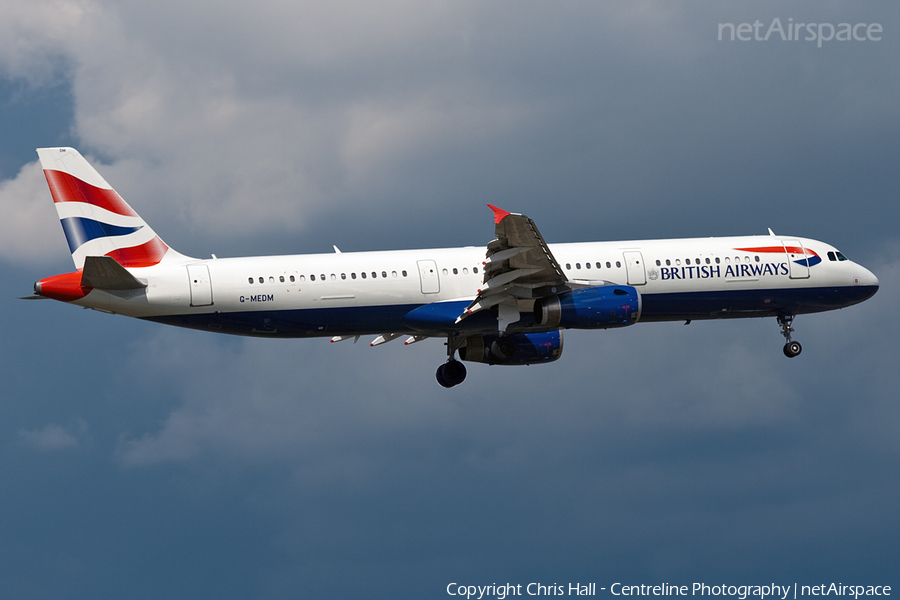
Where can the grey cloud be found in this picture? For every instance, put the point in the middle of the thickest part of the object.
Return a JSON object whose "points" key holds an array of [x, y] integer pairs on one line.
{"points": [[53, 437]]}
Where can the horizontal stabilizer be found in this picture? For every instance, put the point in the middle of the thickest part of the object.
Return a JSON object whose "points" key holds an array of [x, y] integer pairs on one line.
{"points": [[104, 273]]}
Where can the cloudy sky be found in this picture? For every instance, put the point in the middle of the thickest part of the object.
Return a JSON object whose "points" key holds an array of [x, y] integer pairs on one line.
{"points": [[139, 461]]}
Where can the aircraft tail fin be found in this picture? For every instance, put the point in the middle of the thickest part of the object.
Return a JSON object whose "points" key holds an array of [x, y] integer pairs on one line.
{"points": [[95, 219]]}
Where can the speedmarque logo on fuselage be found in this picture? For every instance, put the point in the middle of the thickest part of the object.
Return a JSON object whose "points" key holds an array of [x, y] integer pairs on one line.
{"points": [[738, 270]]}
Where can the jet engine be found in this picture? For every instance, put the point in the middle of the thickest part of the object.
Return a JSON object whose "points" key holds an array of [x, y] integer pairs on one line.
{"points": [[599, 307], [513, 349]]}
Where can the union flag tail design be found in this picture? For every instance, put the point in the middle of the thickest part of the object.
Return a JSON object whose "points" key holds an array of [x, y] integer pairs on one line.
{"points": [[95, 219]]}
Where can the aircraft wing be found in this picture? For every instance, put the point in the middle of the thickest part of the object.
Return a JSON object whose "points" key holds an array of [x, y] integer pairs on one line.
{"points": [[518, 265]]}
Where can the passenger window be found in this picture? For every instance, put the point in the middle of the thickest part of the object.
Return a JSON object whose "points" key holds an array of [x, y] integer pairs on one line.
{"points": [[322, 276], [281, 278], [303, 278], [474, 270], [384, 274], [707, 261], [393, 273], [756, 258], [658, 263], [618, 264], [455, 271], [678, 261], [717, 260], [598, 266], [568, 266], [374, 275], [261, 280], [608, 265], [465, 270], [587, 265], [251, 279], [292, 279], [578, 266], [668, 263], [352, 275], [403, 273], [343, 276], [271, 280], [363, 274], [312, 277]]}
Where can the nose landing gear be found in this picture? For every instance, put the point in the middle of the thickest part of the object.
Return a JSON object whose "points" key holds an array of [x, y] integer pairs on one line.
{"points": [[791, 348]]}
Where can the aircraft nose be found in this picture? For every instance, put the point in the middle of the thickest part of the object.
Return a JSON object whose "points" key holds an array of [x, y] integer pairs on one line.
{"points": [[867, 280]]}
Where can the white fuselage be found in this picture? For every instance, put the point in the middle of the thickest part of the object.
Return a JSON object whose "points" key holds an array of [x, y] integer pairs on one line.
{"points": [[370, 292]]}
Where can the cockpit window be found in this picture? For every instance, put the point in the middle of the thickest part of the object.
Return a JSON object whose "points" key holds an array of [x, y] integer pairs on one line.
{"points": [[832, 257], [841, 256]]}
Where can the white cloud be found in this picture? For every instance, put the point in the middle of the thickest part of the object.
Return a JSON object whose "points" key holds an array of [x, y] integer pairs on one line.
{"points": [[36, 36], [29, 230], [240, 118], [250, 119], [237, 124]]}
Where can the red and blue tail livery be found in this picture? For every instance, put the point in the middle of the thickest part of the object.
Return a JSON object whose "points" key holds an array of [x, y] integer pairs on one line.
{"points": [[95, 219], [504, 304]]}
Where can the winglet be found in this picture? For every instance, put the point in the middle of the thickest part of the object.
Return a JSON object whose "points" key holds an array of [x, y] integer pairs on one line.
{"points": [[499, 213]]}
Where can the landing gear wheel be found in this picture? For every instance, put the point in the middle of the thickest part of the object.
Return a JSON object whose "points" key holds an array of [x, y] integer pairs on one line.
{"points": [[792, 349], [451, 373]]}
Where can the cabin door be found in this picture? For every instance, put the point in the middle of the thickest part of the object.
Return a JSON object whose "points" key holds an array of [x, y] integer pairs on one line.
{"points": [[634, 266], [798, 263], [201, 287], [428, 276]]}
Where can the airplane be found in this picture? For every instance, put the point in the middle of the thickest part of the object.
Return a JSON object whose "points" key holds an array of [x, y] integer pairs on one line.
{"points": [[506, 304]]}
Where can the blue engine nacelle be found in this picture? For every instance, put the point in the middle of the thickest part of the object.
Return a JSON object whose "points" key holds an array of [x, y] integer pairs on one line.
{"points": [[598, 307], [513, 349]]}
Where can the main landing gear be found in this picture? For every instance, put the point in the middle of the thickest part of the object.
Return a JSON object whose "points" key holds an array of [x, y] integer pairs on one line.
{"points": [[452, 372], [791, 348]]}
